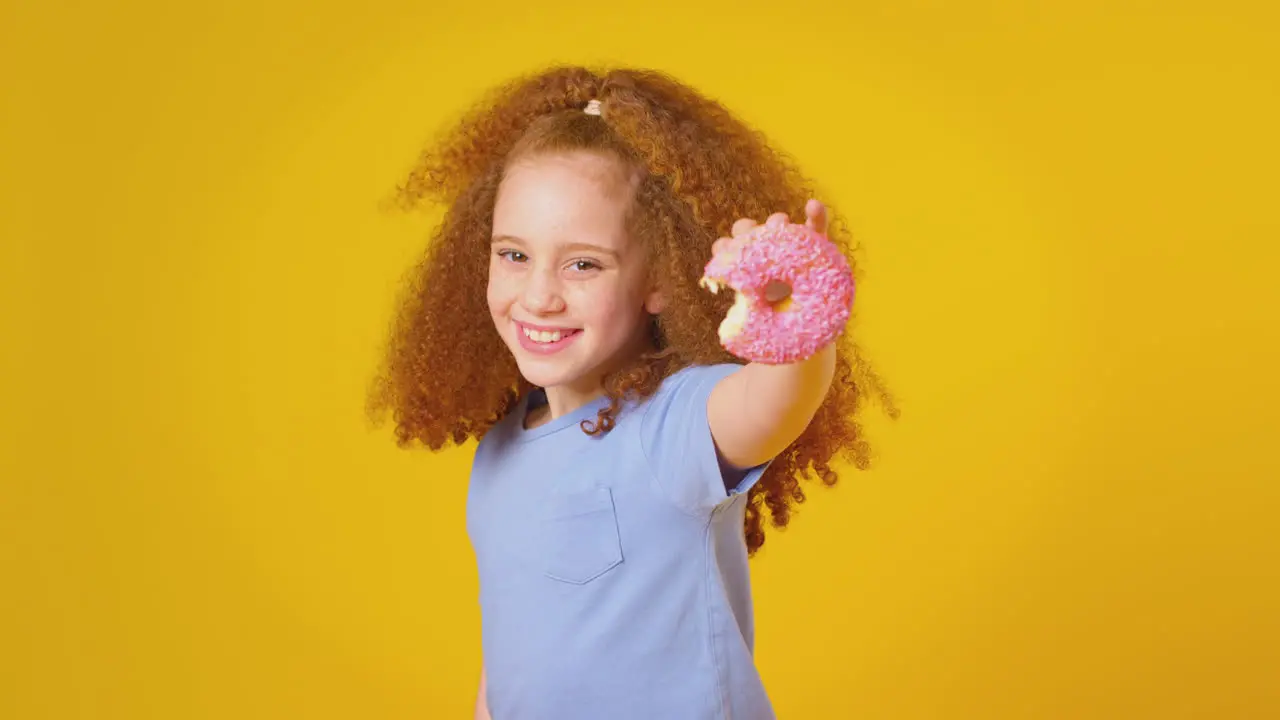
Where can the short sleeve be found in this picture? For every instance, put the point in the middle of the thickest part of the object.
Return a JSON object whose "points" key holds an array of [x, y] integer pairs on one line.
{"points": [[676, 439]]}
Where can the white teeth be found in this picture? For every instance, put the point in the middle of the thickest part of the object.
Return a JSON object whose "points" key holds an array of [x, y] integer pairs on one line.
{"points": [[542, 336]]}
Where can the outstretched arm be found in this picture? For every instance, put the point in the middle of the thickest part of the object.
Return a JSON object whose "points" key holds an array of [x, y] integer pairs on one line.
{"points": [[758, 411]]}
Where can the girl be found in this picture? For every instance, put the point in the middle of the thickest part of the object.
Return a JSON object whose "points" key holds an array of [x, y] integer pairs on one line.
{"points": [[626, 461]]}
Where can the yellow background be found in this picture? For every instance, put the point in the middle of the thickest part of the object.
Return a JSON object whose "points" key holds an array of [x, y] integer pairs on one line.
{"points": [[1068, 219]]}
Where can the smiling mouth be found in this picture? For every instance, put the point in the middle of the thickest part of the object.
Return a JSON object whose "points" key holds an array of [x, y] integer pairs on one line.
{"points": [[547, 336]]}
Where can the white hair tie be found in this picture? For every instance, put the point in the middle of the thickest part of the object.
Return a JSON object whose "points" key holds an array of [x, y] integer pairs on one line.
{"points": [[592, 108]]}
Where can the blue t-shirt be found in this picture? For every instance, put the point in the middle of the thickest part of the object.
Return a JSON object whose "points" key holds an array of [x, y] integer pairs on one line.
{"points": [[613, 568]]}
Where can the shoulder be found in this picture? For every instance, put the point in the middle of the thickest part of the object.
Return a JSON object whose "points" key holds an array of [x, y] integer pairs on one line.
{"points": [[498, 436], [695, 378], [683, 393], [675, 437]]}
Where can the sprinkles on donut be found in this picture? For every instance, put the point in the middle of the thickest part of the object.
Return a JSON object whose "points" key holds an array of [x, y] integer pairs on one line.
{"points": [[797, 327]]}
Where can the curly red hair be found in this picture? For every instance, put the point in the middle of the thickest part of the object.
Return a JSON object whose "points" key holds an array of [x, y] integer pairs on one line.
{"points": [[448, 377]]}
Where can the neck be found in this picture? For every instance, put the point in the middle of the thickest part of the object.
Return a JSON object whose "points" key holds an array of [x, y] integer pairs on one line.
{"points": [[564, 399]]}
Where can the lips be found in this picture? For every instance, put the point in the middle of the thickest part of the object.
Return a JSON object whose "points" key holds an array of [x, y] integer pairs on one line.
{"points": [[545, 339]]}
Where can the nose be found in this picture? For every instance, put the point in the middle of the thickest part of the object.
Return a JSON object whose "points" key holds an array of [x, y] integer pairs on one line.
{"points": [[542, 292]]}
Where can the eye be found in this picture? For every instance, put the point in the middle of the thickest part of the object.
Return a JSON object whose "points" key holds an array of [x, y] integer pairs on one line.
{"points": [[514, 256], [584, 265]]}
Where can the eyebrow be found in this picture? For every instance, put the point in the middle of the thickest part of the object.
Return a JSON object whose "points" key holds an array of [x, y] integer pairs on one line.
{"points": [[571, 246]]}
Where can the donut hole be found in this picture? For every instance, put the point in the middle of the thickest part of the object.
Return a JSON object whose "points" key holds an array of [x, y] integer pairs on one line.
{"points": [[778, 294]]}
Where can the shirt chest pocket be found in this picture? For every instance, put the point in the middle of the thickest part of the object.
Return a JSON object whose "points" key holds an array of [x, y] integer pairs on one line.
{"points": [[582, 536]]}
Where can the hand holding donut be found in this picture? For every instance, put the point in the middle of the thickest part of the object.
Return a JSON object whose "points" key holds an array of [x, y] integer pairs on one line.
{"points": [[794, 288]]}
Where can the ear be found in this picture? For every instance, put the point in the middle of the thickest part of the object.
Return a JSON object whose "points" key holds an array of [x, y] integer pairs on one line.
{"points": [[654, 303]]}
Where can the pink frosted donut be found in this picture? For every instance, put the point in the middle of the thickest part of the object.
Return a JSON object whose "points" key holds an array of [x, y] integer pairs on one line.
{"points": [[799, 326]]}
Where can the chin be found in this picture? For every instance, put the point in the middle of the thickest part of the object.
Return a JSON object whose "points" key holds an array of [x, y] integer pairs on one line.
{"points": [[538, 373], [548, 371], [568, 368]]}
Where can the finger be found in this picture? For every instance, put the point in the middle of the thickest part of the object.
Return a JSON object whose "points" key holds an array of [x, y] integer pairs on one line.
{"points": [[718, 246], [817, 213], [777, 219], [742, 226]]}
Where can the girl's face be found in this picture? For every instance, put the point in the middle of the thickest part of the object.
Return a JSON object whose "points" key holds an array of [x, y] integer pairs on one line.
{"points": [[568, 289]]}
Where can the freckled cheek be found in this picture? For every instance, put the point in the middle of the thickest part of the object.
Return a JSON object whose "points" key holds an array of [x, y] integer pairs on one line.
{"points": [[499, 296], [500, 289], [596, 307]]}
